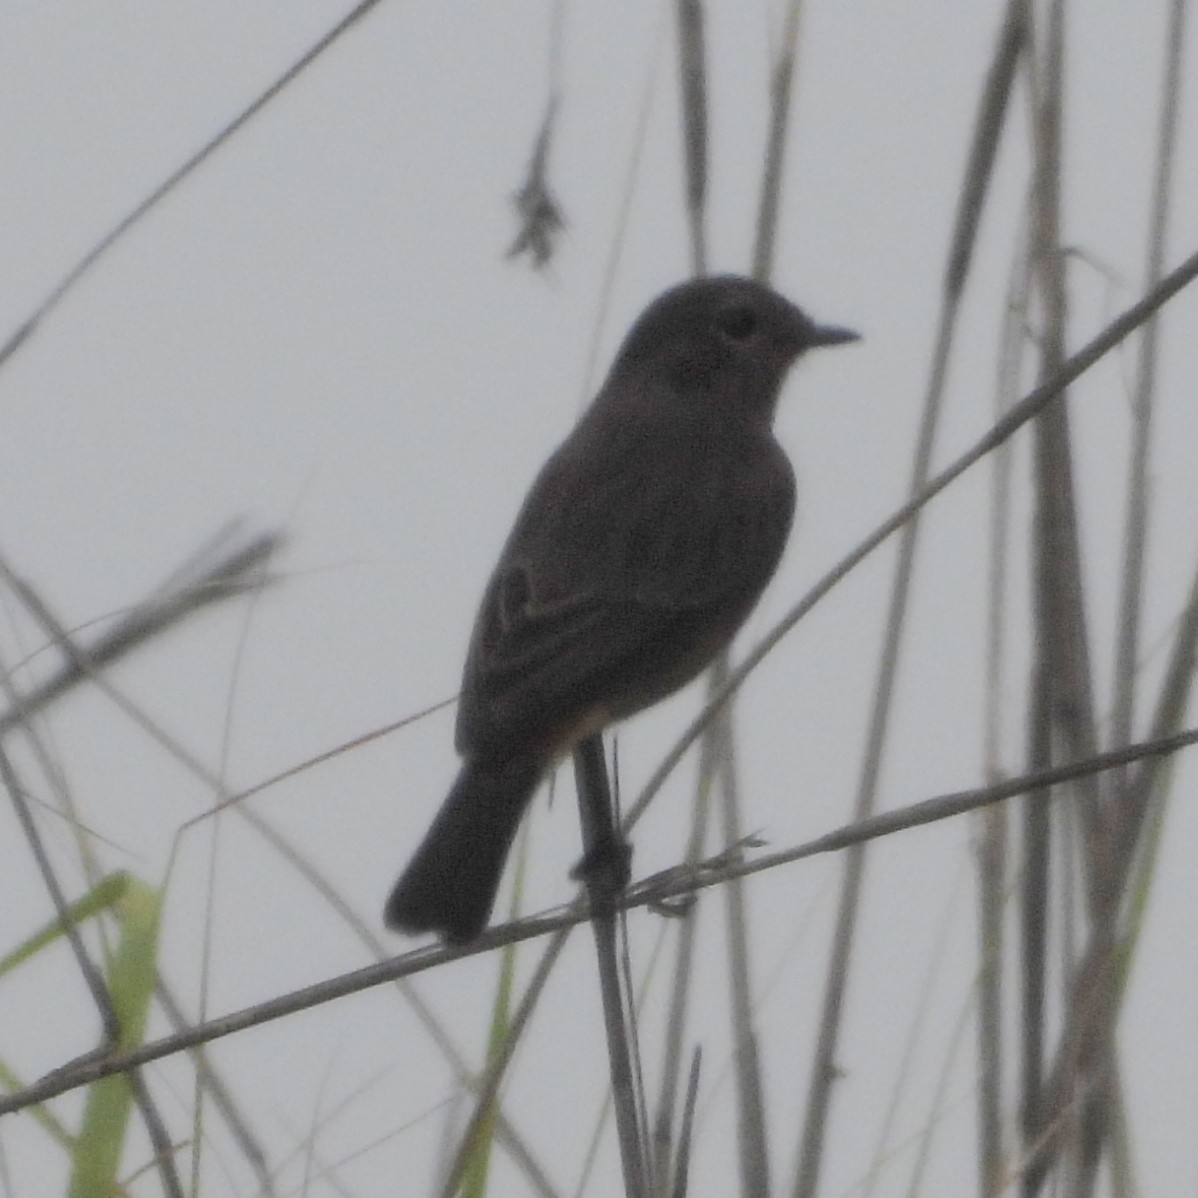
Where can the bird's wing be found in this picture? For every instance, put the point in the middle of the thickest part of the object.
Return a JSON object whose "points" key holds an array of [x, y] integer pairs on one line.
{"points": [[622, 578], [542, 673]]}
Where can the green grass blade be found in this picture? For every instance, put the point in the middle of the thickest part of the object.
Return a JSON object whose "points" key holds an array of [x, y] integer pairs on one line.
{"points": [[131, 978], [474, 1182], [106, 894]]}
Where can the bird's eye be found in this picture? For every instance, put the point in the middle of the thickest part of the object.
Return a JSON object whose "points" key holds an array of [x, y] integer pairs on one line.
{"points": [[737, 323]]}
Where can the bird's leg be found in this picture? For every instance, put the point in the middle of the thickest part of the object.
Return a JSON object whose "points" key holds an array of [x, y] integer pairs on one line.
{"points": [[606, 863]]}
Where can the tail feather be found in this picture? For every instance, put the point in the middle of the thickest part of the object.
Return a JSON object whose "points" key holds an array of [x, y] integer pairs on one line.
{"points": [[449, 886]]}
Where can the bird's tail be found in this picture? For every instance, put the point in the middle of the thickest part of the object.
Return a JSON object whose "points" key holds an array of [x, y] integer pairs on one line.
{"points": [[450, 884]]}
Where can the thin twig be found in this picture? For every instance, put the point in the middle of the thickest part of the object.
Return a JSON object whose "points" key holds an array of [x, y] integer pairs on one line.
{"points": [[81, 268], [673, 884]]}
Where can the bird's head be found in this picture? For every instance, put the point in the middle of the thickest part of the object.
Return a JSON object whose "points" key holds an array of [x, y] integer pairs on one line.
{"points": [[727, 337]]}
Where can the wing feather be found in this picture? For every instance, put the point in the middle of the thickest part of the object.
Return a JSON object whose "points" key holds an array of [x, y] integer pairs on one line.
{"points": [[633, 561]]}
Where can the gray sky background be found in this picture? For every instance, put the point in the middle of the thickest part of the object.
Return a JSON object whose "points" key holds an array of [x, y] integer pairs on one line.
{"points": [[319, 331]]}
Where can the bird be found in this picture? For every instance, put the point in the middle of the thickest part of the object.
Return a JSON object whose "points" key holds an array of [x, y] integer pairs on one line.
{"points": [[643, 544]]}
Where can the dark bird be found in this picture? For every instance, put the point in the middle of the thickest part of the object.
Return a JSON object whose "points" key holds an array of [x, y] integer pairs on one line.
{"points": [[644, 543]]}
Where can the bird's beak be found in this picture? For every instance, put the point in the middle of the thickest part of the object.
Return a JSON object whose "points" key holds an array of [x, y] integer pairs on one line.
{"points": [[827, 334]]}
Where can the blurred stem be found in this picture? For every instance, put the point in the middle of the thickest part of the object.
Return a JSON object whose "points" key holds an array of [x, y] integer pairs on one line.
{"points": [[682, 1170], [992, 855], [486, 1090], [91, 974], [1122, 1171], [752, 1138], [1144, 789], [102, 1139], [482, 1132], [824, 1070], [230, 576], [687, 922], [64, 800], [623, 213], [1103, 1105], [1136, 526], [1036, 827], [605, 871], [719, 738], [636, 1008], [1086, 1060], [915, 1188], [1034, 916], [692, 70], [991, 829], [781, 85], [913, 1042], [1063, 716], [1060, 606], [987, 128], [215, 1087]]}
